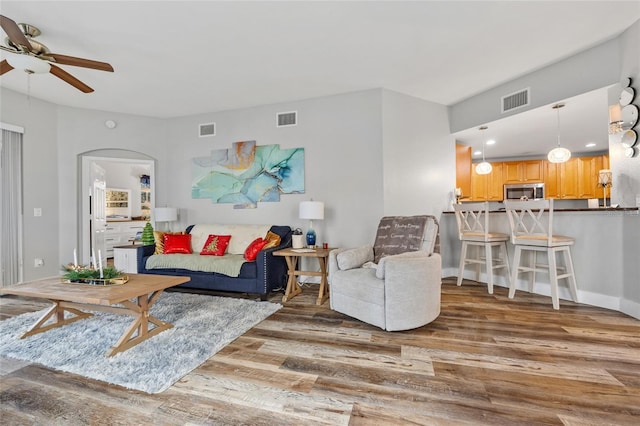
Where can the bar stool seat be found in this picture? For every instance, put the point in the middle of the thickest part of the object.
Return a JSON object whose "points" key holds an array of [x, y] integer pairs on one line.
{"points": [[532, 232], [473, 231]]}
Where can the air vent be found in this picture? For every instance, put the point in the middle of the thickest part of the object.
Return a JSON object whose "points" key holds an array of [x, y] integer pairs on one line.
{"points": [[208, 129], [287, 118], [515, 100]]}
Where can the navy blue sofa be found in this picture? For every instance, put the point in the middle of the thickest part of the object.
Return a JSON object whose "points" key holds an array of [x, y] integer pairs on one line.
{"points": [[262, 276]]}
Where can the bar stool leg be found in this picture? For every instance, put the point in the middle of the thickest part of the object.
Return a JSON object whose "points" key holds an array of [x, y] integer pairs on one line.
{"points": [[568, 261], [463, 256], [553, 277], [514, 272], [489, 262]]}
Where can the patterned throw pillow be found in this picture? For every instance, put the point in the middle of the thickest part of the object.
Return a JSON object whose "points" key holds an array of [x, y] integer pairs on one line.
{"points": [[272, 240], [180, 243], [158, 236], [252, 250], [216, 245]]}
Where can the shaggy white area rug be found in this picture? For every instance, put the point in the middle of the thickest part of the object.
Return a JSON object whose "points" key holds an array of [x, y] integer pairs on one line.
{"points": [[202, 325]]}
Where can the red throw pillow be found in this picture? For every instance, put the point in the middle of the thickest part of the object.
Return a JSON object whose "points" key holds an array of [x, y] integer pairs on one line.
{"points": [[252, 250], [216, 245], [177, 243]]}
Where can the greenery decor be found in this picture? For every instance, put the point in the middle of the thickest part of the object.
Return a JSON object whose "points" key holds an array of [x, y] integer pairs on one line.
{"points": [[88, 275], [147, 235]]}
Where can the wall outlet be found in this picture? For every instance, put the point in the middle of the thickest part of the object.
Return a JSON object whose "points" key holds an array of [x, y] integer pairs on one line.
{"points": [[37, 212], [38, 262]]}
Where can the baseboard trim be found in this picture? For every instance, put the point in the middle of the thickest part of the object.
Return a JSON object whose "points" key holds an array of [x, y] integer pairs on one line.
{"points": [[614, 303]]}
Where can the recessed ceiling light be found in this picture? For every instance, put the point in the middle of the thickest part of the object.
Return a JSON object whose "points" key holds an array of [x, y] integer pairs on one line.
{"points": [[491, 142], [477, 153], [590, 145]]}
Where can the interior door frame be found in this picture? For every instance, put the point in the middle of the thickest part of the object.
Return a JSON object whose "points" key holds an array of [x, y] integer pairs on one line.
{"points": [[84, 183]]}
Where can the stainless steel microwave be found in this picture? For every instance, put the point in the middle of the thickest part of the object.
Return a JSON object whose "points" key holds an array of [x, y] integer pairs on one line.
{"points": [[524, 191]]}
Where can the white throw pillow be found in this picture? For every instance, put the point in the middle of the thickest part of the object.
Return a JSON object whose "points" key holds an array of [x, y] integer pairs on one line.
{"points": [[355, 257], [383, 262]]}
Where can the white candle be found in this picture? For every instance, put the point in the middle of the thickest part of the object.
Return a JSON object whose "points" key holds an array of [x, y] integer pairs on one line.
{"points": [[100, 263], [75, 258]]}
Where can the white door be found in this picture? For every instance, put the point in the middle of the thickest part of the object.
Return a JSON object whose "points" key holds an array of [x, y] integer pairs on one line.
{"points": [[98, 213]]}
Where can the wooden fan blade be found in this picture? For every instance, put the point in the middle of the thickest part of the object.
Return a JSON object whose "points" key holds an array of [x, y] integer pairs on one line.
{"points": [[79, 62], [65, 76], [14, 32], [5, 67]]}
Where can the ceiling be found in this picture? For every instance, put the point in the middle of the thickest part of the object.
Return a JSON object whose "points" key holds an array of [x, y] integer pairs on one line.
{"points": [[181, 58]]}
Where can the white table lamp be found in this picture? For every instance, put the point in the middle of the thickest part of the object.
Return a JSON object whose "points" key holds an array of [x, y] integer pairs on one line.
{"points": [[312, 210], [166, 214]]}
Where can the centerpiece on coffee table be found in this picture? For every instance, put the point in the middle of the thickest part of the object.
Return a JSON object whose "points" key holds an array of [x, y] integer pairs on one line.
{"points": [[80, 274]]}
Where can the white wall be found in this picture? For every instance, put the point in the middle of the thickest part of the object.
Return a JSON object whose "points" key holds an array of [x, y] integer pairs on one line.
{"points": [[81, 131], [40, 177], [626, 171], [342, 139], [592, 69], [419, 156]]}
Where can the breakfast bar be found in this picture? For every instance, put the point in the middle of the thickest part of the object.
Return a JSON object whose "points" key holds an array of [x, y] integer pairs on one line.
{"points": [[605, 254]]}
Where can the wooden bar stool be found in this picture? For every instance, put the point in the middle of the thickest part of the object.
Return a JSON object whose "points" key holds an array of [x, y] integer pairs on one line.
{"points": [[532, 231], [473, 230]]}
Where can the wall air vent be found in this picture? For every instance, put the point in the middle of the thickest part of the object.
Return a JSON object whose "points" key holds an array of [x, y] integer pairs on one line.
{"points": [[284, 119], [208, 129], [515, 100]]}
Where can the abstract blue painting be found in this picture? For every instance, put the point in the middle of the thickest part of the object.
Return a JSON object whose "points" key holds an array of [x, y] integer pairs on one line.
{"points": [[246, 174]]}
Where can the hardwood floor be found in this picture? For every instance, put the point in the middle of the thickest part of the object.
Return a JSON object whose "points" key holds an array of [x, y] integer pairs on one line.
{"points": [[486, 360]]}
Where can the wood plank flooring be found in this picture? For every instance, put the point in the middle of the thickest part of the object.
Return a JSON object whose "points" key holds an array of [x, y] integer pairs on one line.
{"points": [[486, 360]]}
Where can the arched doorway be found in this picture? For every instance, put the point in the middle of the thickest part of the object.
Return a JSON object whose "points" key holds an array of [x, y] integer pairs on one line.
{"points": [[121, 164]]}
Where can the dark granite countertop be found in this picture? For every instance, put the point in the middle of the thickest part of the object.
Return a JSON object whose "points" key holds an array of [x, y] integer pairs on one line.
{"points": [[601, 209]]}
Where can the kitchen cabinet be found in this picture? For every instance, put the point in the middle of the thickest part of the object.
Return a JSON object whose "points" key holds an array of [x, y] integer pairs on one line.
{"points": [[463, 169], [531, 171], [575, 179], [119, 233], [487, 187]]}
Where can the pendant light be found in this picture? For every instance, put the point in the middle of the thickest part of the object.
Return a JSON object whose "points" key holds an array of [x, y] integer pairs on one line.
{"points": [[483, 168], [559, 154]]}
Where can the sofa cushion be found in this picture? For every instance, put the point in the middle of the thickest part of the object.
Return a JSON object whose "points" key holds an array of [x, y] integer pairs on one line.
{"points": [[215, 245], [399, 234], [252, 250], [241, 235], [354, 258], [158, 237], [177, 243], [272, 240]]}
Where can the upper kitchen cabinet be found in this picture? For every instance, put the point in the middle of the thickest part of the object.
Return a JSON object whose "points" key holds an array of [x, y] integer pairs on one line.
{"points": [[523, 171], [463, 169]]}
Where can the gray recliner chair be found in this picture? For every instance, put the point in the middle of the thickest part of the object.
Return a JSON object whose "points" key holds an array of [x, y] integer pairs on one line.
{"points": [[394, 284]]}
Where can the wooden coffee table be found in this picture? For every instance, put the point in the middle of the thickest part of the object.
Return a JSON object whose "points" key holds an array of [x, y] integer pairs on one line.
{"points": [[74, 298]]}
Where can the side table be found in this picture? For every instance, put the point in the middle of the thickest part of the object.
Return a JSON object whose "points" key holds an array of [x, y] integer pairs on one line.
{"points": [[125, 258], [291, 255]]}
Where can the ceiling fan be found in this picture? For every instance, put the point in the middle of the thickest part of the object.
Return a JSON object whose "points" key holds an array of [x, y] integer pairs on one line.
{"points": [[34, 57]]}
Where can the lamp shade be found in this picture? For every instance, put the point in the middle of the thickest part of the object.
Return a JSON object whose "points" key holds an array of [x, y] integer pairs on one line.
{"points": [[604, 177], [483, 168], [28, 63], [166, 214], [559, 155], [313, 210]]}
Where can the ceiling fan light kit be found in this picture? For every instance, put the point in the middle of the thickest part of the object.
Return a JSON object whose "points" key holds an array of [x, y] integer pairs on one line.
{"points": [[28, 63], [26, 54]]}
